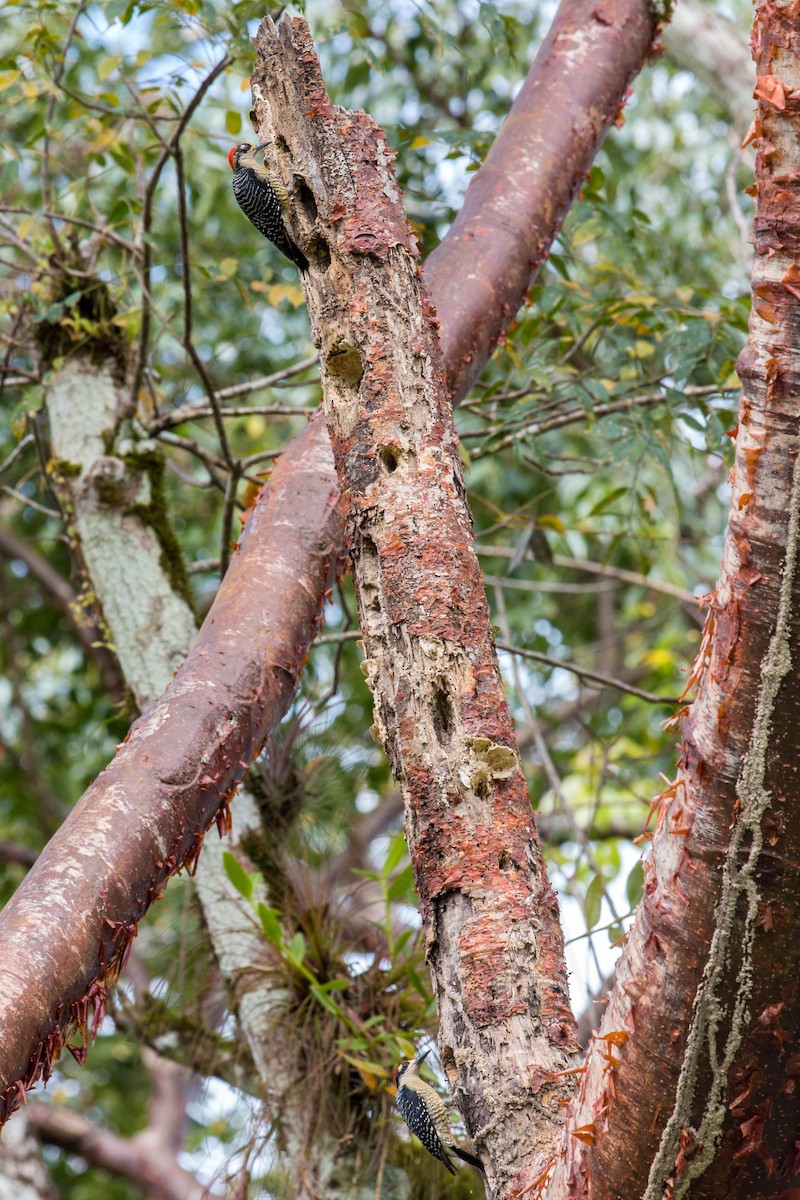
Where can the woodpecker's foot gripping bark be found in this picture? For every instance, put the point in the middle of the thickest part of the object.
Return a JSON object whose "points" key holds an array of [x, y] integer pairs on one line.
{"points": [[425, 1114], [263, 199]]}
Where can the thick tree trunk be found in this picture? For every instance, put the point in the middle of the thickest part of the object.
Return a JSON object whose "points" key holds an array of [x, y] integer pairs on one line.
{"points": [[490, 917], [714, 1099]]}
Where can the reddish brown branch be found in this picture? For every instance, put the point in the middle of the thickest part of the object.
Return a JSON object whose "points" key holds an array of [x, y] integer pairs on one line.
{"points": [[516, 204], [65, 932], [704, 1014]]}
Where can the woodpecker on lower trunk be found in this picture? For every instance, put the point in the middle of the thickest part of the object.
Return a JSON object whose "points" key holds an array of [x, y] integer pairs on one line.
{"points": [[263, 199], [426, 1115]]}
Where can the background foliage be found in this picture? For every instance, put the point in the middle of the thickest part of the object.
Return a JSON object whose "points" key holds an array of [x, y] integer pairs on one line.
{"points": [[596, 452]]}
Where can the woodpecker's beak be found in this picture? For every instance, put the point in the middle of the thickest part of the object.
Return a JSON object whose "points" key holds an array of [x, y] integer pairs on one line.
{"points": [[261, 146], [421, 1058]]}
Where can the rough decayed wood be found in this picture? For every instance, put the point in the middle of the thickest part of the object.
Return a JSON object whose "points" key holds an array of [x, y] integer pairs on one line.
{"points": [[714, 1100], [489, 914]]}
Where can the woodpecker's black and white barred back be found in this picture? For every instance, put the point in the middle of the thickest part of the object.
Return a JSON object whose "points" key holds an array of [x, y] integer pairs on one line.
{"points": [[426, 1115], [263, 200]]}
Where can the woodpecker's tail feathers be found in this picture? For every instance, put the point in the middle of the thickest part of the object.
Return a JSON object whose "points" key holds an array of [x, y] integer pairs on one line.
{"points": [[447, 1160], [293, 253], [466, 1157]]}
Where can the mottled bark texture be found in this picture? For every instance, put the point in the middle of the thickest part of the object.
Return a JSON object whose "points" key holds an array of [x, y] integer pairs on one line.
{"points": [[692, 1087], [108, 476], [490, 917], [295, 524]]}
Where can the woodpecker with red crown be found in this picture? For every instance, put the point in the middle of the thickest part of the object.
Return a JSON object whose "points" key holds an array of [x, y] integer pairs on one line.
{"points": [[426, 1115], [263, 199]]}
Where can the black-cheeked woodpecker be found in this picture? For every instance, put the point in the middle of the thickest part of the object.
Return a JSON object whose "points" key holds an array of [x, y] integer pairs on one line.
{"points": [[426, 1115], [263, 199]]}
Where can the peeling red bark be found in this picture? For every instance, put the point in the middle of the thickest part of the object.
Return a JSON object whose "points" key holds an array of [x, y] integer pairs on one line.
{"points": [[490, 917], [65, 933], [721, 886]]}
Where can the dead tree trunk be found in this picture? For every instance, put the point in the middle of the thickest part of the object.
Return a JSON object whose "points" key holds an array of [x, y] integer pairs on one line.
{"points": [[490, 917]]}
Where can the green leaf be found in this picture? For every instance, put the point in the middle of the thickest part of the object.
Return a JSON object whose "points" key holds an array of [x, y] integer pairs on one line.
{"points": [[335, 985], [593, 900], [634, 884], [403, 940], [401, 884], [237, 875], [397, 849], [270, 923], [107, 66], [316, 991], [297, 948], [233, 122]]}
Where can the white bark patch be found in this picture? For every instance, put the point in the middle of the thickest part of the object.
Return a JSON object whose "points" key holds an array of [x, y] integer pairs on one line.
{"points": [[153, 627]]}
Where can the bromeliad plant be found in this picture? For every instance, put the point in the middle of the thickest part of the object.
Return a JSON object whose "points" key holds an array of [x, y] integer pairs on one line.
{"points": [[366, 1007]]}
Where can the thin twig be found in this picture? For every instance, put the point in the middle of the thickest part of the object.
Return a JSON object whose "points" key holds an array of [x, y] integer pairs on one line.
{"points": [[103, 230], [6, 363], [58, 71], [190, 412], [537, 427], [546, 759], [590, 676], [48, 512], [227, 519], [147, 215], [210, 461], [594, 568], [188, 344], [15, 453]]}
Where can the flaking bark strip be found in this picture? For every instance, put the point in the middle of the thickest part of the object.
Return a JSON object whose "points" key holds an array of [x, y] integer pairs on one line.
{"points": [[709, 973]]}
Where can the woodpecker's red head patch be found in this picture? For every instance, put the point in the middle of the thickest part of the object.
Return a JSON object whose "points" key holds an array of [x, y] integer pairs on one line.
{"points": [[231, 156]]}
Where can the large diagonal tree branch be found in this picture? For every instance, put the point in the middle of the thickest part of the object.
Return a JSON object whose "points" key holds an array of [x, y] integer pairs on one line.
{"points": [[64, 934]]}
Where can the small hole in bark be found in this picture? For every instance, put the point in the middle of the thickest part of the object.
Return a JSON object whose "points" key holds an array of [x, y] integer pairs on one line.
{"points": [[442, 707], [506, 862], [370, 575], [318, 250], [390, 458], [305, 197], [482, 788]]}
